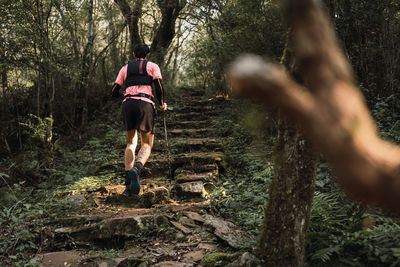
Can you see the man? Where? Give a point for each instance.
(138, 111)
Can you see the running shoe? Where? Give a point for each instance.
(135, 181)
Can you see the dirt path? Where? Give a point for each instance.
(170, 223)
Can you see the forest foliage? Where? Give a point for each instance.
(53, 65)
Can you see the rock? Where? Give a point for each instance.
(102, 263)
(133, 261)
(209, 187)
(63, 230)
(184, 178)
(199, 158)
(190, 115)
(179, 236)
(153, 183)
(187, 221)
(202, 106)
(194, 216)
(246, 260)
(177, 207)
(218, 259)
(115, 189)
(181, 227)
(228, 232)
(193, 169)
(170, 264)
(194, 256)
(161, 221)
(59, 259)
(79, 220)
(191, 124)
(191, 189)
(158, 195)
(157, 165)
(207, 246)
(75, 200)
(109, 228)
(196, 144)
(192, 132)
(130, 201)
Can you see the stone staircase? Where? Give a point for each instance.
(170, 223)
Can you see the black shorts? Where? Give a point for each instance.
(138, 115)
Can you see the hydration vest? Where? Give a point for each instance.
(137, 74)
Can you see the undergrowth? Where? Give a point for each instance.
(30, 208)
(242, 193)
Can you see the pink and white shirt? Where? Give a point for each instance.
(153, 70)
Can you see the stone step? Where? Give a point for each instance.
(158, 163)
(185, 164)
(194, 92)
(60, 259)
(82, 219)
(185, 145)
(187, 116)
(196, 101)
(204, 177)
(147, 198)
(229, 232)
(206, 168)
(189, 190)
(124, 226)
(195, 107)
(199, 158)
(188, 124)
(192, 133)
(106, 229)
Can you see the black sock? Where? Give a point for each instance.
(138, 165)
(127, 180)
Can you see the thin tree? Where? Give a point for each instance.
(81, 106)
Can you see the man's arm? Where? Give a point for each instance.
(119, 82)
(154, 71)
(160, 93)
(115, 91)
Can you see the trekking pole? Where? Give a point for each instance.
(166, 144)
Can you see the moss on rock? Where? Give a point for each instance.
(219, 259)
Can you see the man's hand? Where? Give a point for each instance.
(164, 107)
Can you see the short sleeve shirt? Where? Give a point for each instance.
(153, 70)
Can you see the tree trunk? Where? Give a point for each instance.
(166, 31)
(287, 214)
(68, 24)
(4, 85)
(132, 17)
(81, 109)
(115, 64)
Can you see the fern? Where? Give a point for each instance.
(325, 254)
(336, 237)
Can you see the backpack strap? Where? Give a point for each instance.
(137, 74)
